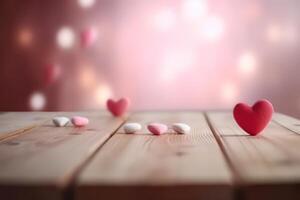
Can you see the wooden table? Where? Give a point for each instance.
(216, 161)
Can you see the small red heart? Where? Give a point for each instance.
(253, 119)
(117, 108)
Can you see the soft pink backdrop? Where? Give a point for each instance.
(176, 54)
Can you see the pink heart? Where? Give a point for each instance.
(157, 128)
(253, 119)
(88, 37)
(79, 121)
(117, 108)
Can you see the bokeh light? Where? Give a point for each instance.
(213, 29)
(65, 37)
(88, 36)
(86, 3)
(291, 34)
(52, 72)
(37, 101)
(247, 63)
(164, 20)
(274, 33)
(229, 92)
(194, 10)
(102, 93)
(25, 37)
(204, 54)
(176, 63)
(87, 77)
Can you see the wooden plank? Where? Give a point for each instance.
(171, 166)
(290, 123)
(13, 123)
(268, 165)
(41, 163)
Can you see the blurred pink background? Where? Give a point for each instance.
(173, 54)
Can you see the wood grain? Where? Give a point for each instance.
(13, 123)
(268, 165)
(290, 123)
(171, 166)
(42, 162)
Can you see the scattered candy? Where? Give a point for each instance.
(181, 128)
(253, 119)
(79, 121)
(117, 108)
(132, 127)
(88, 37)
(60, 121)
(157, 128)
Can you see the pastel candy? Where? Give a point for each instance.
(79, 121)
(60, 121)
(132, 127)
(181, 128)
(157, 128)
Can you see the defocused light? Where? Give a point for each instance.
(65, 37)
(25, 37)
(252, 10)
(164, 20)
(87, 77)
(291, 34)
(52, 73)
(86, 3)
(229, 92)
(88, 37)
(179, 60)
(247, 63)
(102, 93)
(37, 101)
(286, 34)
(213, 29)
(194, 9)
(174, 63)
(274, 33)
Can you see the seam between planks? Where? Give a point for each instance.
(68, 182)
(237, 192)
(19, 132)
(236, 177)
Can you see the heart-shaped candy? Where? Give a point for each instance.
(132, 127)
(157, 128)
(60, 121)
(117, 108)
(253, 119)
(79, 121)
(181, 128)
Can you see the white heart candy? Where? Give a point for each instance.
(181, 128)
(132, 127)
(60, 121)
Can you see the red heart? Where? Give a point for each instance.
(253, 119)
(117, 108)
